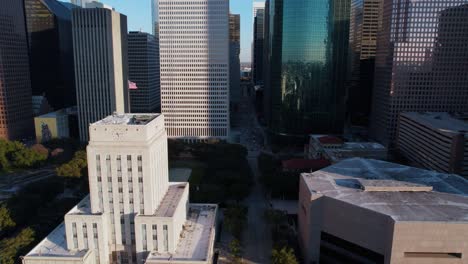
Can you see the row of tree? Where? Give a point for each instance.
(15, 155)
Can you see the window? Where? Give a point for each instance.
(155, 237)
(166, 238)
(143, 237)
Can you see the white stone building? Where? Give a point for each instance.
(133, 213)
(194, 66)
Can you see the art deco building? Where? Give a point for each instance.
(133, 213)
(101, 66)
(51, 51)
(234, 61)
(421, 62)
(194, 62)
(143, 70)
(16, 119)
(308, 57)
(258, 42)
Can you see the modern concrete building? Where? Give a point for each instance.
(49, 28)
(421, 63)
(335, 150)
(101, 66)
(143, 70)
(369, 211)
(258, 42)
(194, 59)
(234, 60)
(133, 213)
(365, 22)
(435, 141)
(16, 119)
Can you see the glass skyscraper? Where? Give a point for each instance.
(307, 52)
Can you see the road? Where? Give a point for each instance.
(10, 184)
(256, 237)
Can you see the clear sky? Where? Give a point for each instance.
(139, 18)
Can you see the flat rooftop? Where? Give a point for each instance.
(55, 245)
(82, 208)
(171, 200)
(127, 119)
(196, 238)
(439, 121)
(401, 192)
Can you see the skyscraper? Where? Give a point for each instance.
(421, 62)
(234, 61)
(194, 61)
(258, 42)
(16, 120)
(143, 70)
(365, 22)
(101, 67)
(308, 57)
(51, 51)
(81, 3)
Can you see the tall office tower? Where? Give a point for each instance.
(365, 23)
(101, 68)
(421, 62)
(266, 66)
(81, 3)
(194, 59)
(51, 51)
(16, 119)
(258, 39)
(143, 70)
(133, 214)
(234, 61)
(308, 58)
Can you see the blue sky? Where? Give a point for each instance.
(139, 18)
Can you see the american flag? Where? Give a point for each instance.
(132, 85)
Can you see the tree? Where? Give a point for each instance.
(236, 250)
(11, 247)
(75, 168)
(5, 219)
(283, 256)
(235, 218)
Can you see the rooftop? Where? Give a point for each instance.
(171, 200)
(82, 208)
(440, 121)
(55, 245)
(127, 119)
(301, 164)
(401, 192)
(196, 238)
(327, 139)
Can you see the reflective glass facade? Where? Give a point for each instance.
(308, 65)
(421, 62)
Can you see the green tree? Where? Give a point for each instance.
(5, 219)
(75, 168)
(236, 250)
(283, 256)
(11, 247)
(235, 218)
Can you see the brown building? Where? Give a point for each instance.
(370, 211)
(16, 119)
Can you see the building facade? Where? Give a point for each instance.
(16, 119)
(308, 57)
(48, 23)
(194, 62)
(143, 70)
(101, 66)
(258, 42)
(421, 63)
(435, 141)
(369, 211)
(133, 213)
(52, 125)
(234, 60)
(365, 23)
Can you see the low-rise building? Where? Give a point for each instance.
(53, 125)
(436, 141)
(371, 211)
(335, 149)
(133, 214)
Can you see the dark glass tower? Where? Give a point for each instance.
(308, 57)
(50, 42)
(258, 43)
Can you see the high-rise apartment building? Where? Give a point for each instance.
(16, 119)
(234, 61)
(365, 22)
(421, 62)
(194, 62)
(101, 67)
(308, 66)
(258, 42)
(48, 23)
(143, 70)
(133, 214)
